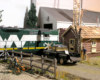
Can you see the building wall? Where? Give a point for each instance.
(61, 31)
(98, 45)
(44, 19)
(88, 46)
(62, 24)
(69, 35)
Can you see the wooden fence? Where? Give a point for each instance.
(53, 62)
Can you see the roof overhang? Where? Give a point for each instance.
(70, 27)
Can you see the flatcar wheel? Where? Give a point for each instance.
(61, 61)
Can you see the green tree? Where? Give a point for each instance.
(0, 15)
(32, 18)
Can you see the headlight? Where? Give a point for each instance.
(66, 52)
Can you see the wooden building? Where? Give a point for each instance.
(76, 38)
(61, 31)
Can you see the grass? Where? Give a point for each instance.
(4, 61)
(66, 76)
(94, 61)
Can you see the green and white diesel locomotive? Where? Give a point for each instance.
(29, 40)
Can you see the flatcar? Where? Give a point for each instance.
(28, 40)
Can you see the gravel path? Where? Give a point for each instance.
(81, 70)
(23, 76)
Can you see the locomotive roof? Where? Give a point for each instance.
(43, 31)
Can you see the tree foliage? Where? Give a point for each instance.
(0, 15)
(32, 18)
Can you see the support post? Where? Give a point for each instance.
(31, 59)
(21, 57)
(5, 54)
(42, 62)
(12, 55)
(5, 51)
(55, 66)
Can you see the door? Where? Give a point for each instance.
(72, 45)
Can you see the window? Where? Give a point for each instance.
(72, 45)
(48, 26)
(72, 42)
(93, 43)
(93, 46)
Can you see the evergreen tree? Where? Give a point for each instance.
(32, 18)
(0, 16)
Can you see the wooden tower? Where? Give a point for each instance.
(76, 12)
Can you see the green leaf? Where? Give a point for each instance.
(32, 18)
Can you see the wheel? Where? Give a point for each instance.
(61, 61)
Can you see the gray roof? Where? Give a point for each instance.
(67, 15)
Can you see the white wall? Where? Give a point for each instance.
(62, 24)
(14, 12)
(43, 19)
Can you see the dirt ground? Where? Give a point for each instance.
(23, 76)
(81, 70)
(78, 69)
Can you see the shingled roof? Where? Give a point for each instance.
(87, 31)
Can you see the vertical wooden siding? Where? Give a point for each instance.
(62, 30)
(67, 36)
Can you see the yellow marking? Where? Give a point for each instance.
(29, 48)
(15, 48)
(40, 47)
(2, 48)
(32, 48)
(9, 48)
(25, 48)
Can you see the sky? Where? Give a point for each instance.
(92, 5)
(14, 12)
